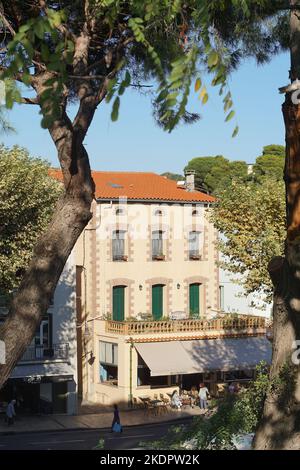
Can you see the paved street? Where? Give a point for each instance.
(85, 439)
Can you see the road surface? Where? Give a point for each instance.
(86, 439)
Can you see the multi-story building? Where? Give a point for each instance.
(147, 287)
(45, 379)
(233, 298)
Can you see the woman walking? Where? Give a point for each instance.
(116, 425)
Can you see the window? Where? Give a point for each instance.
(194, 244)
(42, 336)
(41, 345)
(195, 213)
(120, 211)
(109, 363)
(221, 298)
(157, 245)
(118, 246)
(158, 213)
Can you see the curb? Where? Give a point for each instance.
(14, 433)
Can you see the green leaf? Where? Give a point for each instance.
(162, 95)
(229, 116)
(228, 104)
(235, 132)
(115, 109)
(127, 79)
(213, 59)
(38, 28)
(24, 28)
(45, 52)
(26, 78)
(121, 88)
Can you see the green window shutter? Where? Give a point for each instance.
(157, 301)
(118, 303)
(195, 300)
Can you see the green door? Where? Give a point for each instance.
(157, 301)
(118, 303)
(195, 300)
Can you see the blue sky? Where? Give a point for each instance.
(136, 143)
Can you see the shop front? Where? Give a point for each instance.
(41, 389)
(186, 364)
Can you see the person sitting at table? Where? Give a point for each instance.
(175, 400)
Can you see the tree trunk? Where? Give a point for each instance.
(53, 248)
(280, 426)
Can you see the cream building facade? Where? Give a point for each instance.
(147, 287)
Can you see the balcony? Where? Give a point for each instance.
(41, 353)
(221, 327)
(158, 257)
(117, 257)
(194, 255)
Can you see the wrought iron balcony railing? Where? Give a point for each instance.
(44, 353)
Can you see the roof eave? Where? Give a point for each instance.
(151, 201)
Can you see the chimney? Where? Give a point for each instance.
(190, 180)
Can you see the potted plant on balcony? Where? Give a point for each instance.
(195, 256)
(159, 257)
(120, 257)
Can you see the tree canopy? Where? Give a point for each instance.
(27, 198)
(173, 176)
(251, 220)
(270, 163)
(103, 47)
(214, 173)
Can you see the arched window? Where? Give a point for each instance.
(195, 213)
(158, 213)
(120, 211)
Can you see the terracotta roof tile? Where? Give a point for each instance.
(140, 186)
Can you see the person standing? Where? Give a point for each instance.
(10, 412)
(116, 420)
(203, 396)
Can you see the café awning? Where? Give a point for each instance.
(165, 358)
(198, 356)
(51, 370)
